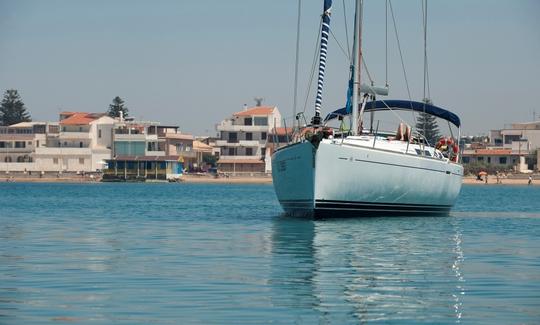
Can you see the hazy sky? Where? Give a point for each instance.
(193, 63)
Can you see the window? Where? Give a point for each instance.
(249, 136)
(508, 139)
(233, 137)
(81, 161)
(249, 151)
(55, 161)
(465, 160)
(480, 158)
(263, 135)
(37, 143)
(418, 152)
(231, 152)
(428, 154)
(248, 121)
(20, 144)
(99, 133)
(80, 128)
(489, 160)
(261, 120)
(80, 144)
(502, 160)
(29, 143)
(7, 159)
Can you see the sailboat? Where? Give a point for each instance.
(329, 172)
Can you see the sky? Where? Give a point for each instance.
(194, 63)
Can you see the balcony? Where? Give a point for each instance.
(16, 150)
(243, 128)
(62, 151)
(225, 157)
(155, 153)
(240, 143)
(252, 143)
(75, 135)
(135, 137)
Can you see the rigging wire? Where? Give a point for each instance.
(401, 56)
(341, 47)
(365, 67)
(386, 42)
(399, 48)
(425, 99)
(346, 29)
(426, 66)
(296, 63)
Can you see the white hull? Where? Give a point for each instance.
(353, 179)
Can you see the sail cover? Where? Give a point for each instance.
(325, 30)
(380, 105)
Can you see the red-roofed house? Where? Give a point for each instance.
(83, 143)
(242, 139)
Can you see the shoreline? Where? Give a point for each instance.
(192, 179)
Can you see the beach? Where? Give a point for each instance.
(209, 179)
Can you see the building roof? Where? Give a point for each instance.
(240, 161)
(79, 118)
(201, 147)
(26, 124)
(488, 152)
(281, 131)
(179, 136)
(257, 110)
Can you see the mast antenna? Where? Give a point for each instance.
(258, 101)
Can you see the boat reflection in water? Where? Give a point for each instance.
(351, 270)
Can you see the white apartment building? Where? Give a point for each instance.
(83, 143)
(78, 142)
(19, 141)
(242, 139)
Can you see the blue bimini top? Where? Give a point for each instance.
(380, 105)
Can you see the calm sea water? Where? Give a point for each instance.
(192, 253)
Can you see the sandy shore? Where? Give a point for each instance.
(470, 180)
(226, 180)
(492, 180)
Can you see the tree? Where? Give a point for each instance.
(426, 124)
(12, 109)
(116, 107)
(210, 159)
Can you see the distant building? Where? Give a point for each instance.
(83, 143)
(181, 145)
(78, 142)
(513, 147)
(277, 138)
(19, 141)
(242, 139)
(136, 138)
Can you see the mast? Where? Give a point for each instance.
(325, 31)
(357, 59)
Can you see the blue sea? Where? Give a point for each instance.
(225, 254)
